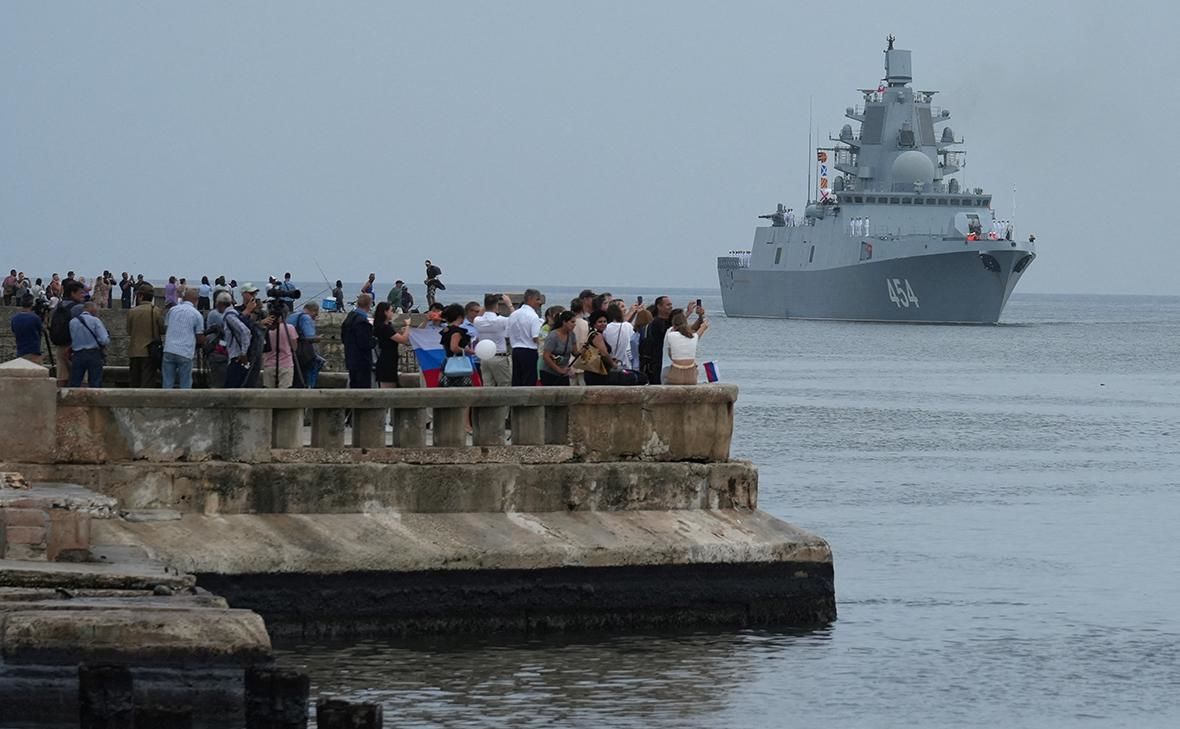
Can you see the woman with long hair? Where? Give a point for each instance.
(387, 340)
(595, 355)
(680, 343)
(557, 360)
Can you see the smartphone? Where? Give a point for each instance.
(638, 299)
(698, 302)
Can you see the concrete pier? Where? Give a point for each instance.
(595, 507)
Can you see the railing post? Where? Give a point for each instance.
(450, 427)
(409, 428)
(327, 428)
(368, 428)
(287, 428)
(488, 426)
(528, 425)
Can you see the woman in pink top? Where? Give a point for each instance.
(282, 338)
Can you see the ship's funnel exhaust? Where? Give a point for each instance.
(897, 68)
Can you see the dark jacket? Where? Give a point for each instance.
(356, 333)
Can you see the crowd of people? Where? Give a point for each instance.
(246, 337)
(597, 340)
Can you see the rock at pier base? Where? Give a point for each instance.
(276, 698)
(340, 714)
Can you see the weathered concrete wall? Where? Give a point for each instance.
(318, 488)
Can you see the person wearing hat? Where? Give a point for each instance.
(145, 325)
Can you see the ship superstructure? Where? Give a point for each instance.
(890, 235)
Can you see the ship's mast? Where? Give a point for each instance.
(810, 100)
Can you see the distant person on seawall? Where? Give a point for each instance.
(433, 283)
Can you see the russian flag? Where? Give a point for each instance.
(429, 351)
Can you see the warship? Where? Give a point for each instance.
(887, 233)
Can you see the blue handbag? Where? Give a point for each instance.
(458, 366)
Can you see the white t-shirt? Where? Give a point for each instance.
(524, 326)
(618, 337)
(491, 325)
(679, 346)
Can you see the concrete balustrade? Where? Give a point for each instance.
(599, 424)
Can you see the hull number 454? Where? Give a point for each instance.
(900, 293)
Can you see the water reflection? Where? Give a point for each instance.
(620, 681)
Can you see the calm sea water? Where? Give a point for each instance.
(1003, 506)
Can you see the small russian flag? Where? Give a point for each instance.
(711, 371)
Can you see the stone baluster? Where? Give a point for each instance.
(528, 425)
(327, 428)
(287, 428)
(488, 426)
(368, 427)
(450, 427)
(409, 428)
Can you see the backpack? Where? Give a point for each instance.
(59, 323)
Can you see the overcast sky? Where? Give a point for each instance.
(605, 143)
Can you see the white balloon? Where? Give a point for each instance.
(485, 349)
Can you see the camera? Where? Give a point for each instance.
(279, 300)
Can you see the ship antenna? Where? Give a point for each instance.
(810, 151)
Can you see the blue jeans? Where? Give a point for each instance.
(86, 362)
(311, 376)
(177, 368)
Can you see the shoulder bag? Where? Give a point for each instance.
(155, 348)
(590, 359)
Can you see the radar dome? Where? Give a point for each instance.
(912, 167)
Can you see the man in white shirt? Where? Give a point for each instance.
(524, 328)
(184, 331)
(491, 326)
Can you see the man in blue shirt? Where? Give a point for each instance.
(26, 328)
(306, 356)
(88, 337)
(184, 331)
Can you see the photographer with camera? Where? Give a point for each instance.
(243, 341)
(278, 358)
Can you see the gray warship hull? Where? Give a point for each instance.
(944, 288)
